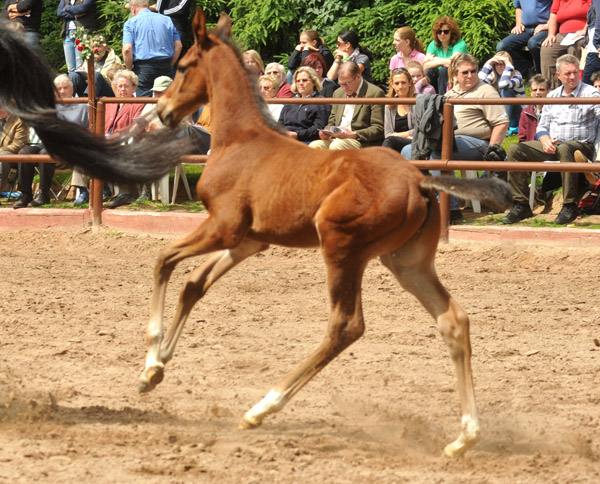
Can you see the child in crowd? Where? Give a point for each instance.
(500, 73)
(421, 81)
(595, 80)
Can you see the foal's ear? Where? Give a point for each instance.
(199, 27)
(224, 26)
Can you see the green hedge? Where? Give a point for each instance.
(272, 26)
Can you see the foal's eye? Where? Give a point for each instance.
(181, 69)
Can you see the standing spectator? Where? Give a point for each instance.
(399, 119)
(118, 118)
(75, 13)
(303, 121)
(349, 49)
(317, 62)
(566, 17)
(408, 48)
(278, 72)
(562, 130)
(29, 14)
(359, 125)
(446, 43)
(74, 113)
(254, 63)
(530, 30)
(500, 73)
(178, 11)
(151, 45)
(13, 136)
(310, 42)
(478, 125)
(420, 80)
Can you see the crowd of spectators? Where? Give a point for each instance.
(551, 43)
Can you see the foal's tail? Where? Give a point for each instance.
(495, 193)
(27, 91)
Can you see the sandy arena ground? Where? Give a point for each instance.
(74, 310)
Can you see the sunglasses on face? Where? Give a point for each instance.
(445, 32)
(472, 71)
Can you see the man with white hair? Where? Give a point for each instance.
(278, 72)
(151, 45)
(74, 113)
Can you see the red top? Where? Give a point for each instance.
(571, 15)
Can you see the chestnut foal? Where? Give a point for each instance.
(262, 188)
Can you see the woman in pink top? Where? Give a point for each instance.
(566, 17)
(409, 48)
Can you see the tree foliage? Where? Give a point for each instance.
(272, 27)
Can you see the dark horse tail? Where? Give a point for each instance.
(27, 91)
(495, 193)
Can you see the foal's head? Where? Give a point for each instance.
(190, 88)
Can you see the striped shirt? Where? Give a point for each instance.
(570, 122)
(510, 79)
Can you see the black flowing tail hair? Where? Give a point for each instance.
(27, 91)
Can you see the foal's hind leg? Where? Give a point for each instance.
(346, 325)
(453, 323)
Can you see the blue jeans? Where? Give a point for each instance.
(466, 148)
(147, 71)
(512, 110)
(514, 44)
(72, 55)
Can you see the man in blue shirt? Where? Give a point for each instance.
(530, 30)
(562, 130)
(151, 45)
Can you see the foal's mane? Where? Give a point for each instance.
(253, 81)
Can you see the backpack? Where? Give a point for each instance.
(590, 202)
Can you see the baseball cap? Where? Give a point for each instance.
(161, 83)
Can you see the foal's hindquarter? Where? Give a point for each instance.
(262, 188)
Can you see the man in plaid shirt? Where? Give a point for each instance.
(562, 130)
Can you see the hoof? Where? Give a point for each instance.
(150, 378)
(247, 425)
(459, 447)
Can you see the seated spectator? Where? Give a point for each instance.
(595, 80)
(14, 134)
(530, 30)
(592, 58)
(399, 119)
(268, 86)
(566, 17)
(408, 48)
(104, 58)
(254, 62)
(74, 113)
(303, 121)
(317, 62)
(500, 73)
(118, 117)
(277, 71)
(446, 43)
(357, 125)
(349, 49)
(310, 42)
(562, 130)
(478, 125)
(420, 80)
(530, 116)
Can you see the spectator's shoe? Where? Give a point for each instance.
(144, 196)
(456, 217)
(23, 201)
(519, 212)
(40, 199)
(106, 193)
(121, 199)
(567, 214)
(581, 158)
(513, 130)
(84, 197)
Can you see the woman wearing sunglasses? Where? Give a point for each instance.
(445, 44)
